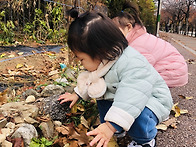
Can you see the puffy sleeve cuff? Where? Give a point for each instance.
(85, 97)
(119, 117)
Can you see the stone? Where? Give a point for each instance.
(56, 110)
(7, 131)
(47, 129)
(3, 122)
(30, 92)
(6, 144)
(52, 90)
(30, 99)
(2, 138)
(27, 132)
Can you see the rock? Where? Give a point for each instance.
(30, 99)
(6, 144)
(30, 120)
(3, 122)
(27, 132)
(56, 110)
(62, 80)
(2, 138)
(52, 90)
(19, 110)
(10, 125)
(47, 129)
(18, 120)
(7, 131)
(57, 123)
(30, 92)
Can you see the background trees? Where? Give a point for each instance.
(179, 16)
(42, 20)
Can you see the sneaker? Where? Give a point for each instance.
(148, 144)
(120, 134)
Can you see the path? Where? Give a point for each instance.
(185, 133)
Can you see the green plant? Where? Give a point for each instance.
(42, 142)
(7, 33)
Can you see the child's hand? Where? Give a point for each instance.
(103, 133)
(68, 97)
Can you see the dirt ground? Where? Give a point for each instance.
(18, 67)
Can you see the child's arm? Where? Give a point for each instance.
(103, 133)
(68, 97)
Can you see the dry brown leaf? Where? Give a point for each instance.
(170, 121)
(3, 96)
(182, 96)
(73, 143)
(65, 130)
(84, 122)
(161, 127)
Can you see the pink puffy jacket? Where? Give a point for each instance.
(164, 57)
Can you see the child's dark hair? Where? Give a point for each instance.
(132, 16)
(96, 35)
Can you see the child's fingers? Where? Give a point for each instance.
(93, 132)
(95, 140)
(63, 96)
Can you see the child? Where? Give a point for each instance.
(164, 57)
(130, 93)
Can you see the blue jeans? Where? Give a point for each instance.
(143, 129)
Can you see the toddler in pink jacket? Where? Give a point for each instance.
(164, 57)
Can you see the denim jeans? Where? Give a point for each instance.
(143, 129)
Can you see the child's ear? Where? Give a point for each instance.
(130, 27)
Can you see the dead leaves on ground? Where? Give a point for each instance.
(172, 122)
(73, 136)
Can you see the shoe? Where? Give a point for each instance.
(120, 134)
(148, 144)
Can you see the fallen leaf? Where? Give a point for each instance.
(112, 143)
(11, 56)
(181, 96)
(183, 111)
(20, 53)
(65, 130)
(19, 65)
(3, 55)
(188, 98)
(176, 109)
(161, 127)
(84, 121)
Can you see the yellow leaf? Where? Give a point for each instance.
(2, 55)
(11, 56)
(161, 127)
(20, 53)
(74, 108)
(80, 107)
(176, 109)
(112, 143)
(188, 98)
(183, 111)
(19, 65)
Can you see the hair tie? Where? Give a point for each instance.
(122, 11)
